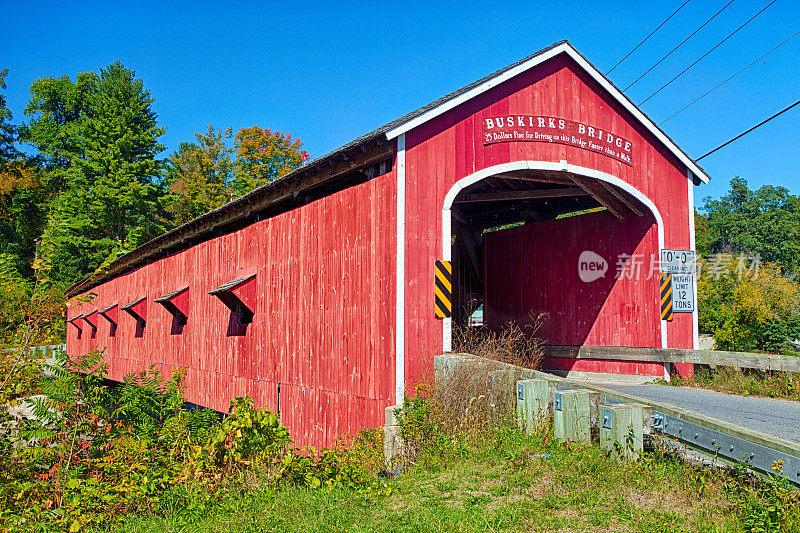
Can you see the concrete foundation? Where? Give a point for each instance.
(571, 416)
(533, 403)
(621, 430)
(392, 443)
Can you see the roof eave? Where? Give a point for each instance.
(567, 48)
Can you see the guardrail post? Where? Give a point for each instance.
(621, 430)
(392, 443)
(533, 399)
(571, 416)
(502, 388)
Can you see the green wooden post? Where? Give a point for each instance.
(533, 398)
(571, 416)
(621, 430)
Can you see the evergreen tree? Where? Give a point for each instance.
(99, 140)
(7, 149)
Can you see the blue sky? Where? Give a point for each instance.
(329, 72)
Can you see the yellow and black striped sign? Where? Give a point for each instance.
(666, 295)
(444, 289)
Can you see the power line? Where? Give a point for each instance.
(645, 39)
(681, 73)
(776, 115)
(679, 45)
(727, 80)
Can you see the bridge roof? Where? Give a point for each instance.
(240, 207)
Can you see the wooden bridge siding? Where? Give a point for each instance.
(531, 269)
(450, 147)
(323, 324)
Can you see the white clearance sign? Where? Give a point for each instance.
(681, 264)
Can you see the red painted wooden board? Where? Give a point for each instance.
(534, 269)
(324, 318)
(324, 324)
(450, 147)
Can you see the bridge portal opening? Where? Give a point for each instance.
(574, 252)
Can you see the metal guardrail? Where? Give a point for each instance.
(757, 361)
(757, 450)
(48, 350)
(729, 447)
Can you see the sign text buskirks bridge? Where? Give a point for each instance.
(531, 128)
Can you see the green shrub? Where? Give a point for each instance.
(244, 438)
(766, 506)
(95, 453)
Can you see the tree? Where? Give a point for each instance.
(31, 313)
(202, 175)
(756, 312)
(22, 194)
(198, 175)
(759, 310)
(765, 222)
(99, 140)
(8, 151)
(23, 199)
(263, 156)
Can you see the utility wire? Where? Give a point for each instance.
(776, 115)
(645, 39)
(726, 81)
(681, 73)
(679, 45)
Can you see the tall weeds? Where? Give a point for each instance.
(94, 453)
(470, 400)
(514, 344)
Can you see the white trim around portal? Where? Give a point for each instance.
(693, 247)
(532, 62)
(447, 323)
(400, 276)
(561, 166)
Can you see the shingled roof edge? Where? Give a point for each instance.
(139, 255)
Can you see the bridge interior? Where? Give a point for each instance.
(520, 198)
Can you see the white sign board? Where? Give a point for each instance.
(682, 293)
(678, 261)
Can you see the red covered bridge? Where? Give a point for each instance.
(318, 291)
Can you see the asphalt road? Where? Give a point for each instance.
(780, 418)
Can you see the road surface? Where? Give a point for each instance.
(780, 418)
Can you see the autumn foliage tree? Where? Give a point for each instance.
(198, 175)
(263, 156)
(757, 309)
(22, 194)
(206, 174)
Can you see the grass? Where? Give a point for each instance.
(498, 483)
(467, 467)
(747, 382)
